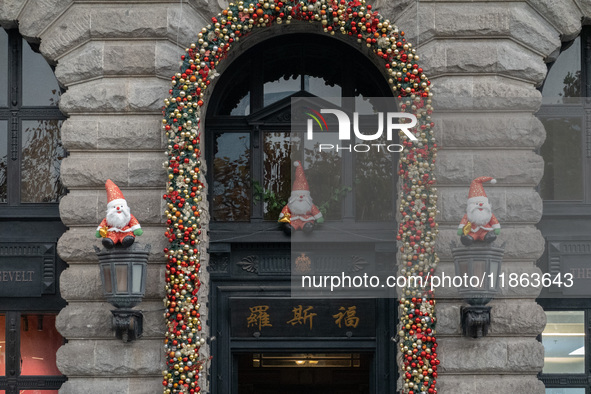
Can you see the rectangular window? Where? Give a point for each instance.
(563, 159)
(39, 85)
(42, 153)
(39, 344)
(231, 174)
(374, 184)
(564, 342)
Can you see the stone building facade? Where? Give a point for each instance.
(115, 59)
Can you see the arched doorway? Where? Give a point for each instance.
(250, 146)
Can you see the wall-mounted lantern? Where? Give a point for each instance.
(123, 274)
(478, 263)
(481, 265)
(122, 263)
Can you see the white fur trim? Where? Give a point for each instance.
(117, 201)
(493, 181)
(478, 199)
(296, 163)
(496, 225)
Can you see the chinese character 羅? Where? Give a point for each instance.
(259, 316)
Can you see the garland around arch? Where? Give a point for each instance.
(417, 195)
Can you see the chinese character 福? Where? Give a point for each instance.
(349, 316)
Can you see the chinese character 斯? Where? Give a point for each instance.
(301, 316)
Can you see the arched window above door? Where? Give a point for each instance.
(251, 147)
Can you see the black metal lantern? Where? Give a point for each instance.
(123, 275)
(479, 266)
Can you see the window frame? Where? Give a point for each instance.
(13, 383)
(14, 114)
(571, 380)
(559, 215)
(570, 208)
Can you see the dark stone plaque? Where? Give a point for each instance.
(288, 317)
(26, 270)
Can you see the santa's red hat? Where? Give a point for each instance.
(300, 183)
(477, 192)
(114, 195)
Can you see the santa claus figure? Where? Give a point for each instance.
(300, 213)
(479, 223)
(120, 226)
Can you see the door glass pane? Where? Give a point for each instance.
(42, 153)
(281, 88)
(564, 78)
(3, 160)
(321, 87)
(3, 68)
(374, 182)
(324, 174)
(327, 373)
(363, 105)
(564, 342)
(231, 177)
(40, 88)
(278, 149)
(578, 390)
(563, 174)
(2, 345)
(39, 344)
(243, 106)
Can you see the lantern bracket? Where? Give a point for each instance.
(128, 324)
(475, 321)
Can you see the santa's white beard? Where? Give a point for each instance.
(118, 220)
(299, 206)
(479, 217)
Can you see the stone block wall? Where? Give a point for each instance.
(486, 60)
(115, 59)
